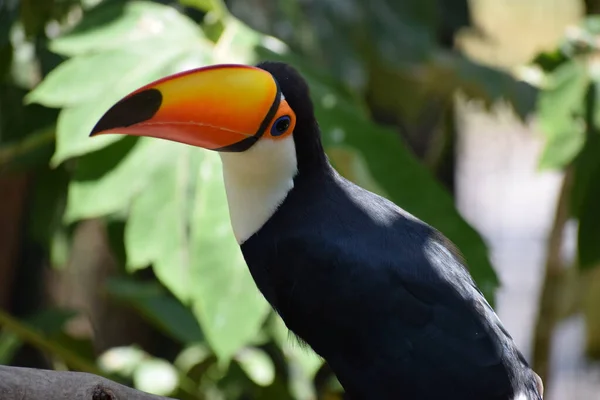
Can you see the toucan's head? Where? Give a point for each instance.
(252, 115)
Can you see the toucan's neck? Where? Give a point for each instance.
(309, 149)
(259, 179)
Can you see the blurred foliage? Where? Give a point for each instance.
(63, 63)
(569, 116)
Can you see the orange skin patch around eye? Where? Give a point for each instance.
(284, 109)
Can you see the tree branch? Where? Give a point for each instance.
(553, 284)
(36, 384)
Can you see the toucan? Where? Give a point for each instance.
(380, 295)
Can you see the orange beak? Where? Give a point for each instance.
(222, 107)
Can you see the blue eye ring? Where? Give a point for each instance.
(281, 125)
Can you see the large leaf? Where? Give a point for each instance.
(82, 78)
(96, 191)
(178, 220)
(75, 123)
(189, 241)
(227, 302)
(111, 60)
(561, 114)
(114, 24)
(236, 44)
(162, 239)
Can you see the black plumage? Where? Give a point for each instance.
(379, 294)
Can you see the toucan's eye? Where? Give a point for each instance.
(280, 126)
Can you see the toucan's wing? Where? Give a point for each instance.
(414, 324)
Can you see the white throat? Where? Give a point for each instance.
(257, 181)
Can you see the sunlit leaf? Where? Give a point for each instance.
(561, 114)
(236, 44)
(205, 270)
(126, 175)
(73, 129)
(162, 240)
(226, 300)
(75, 123)
(114, 25)
(156, 376)
(83, 78)
(111, 60)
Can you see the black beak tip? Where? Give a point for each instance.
(130, 111)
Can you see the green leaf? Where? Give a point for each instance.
(75, 123)
(236, 44)
(226, 300)
(561, 114)
(73, 129)
(158, 307)
(84, 78)
(9, 345)
(114, 25)
(113, 57)
(128, 172)
(449, 72)
(257, 365)
(157, 377)
(206, 269)
(162, 240)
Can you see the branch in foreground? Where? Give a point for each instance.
(36, 384)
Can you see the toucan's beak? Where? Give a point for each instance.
(222, 107)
